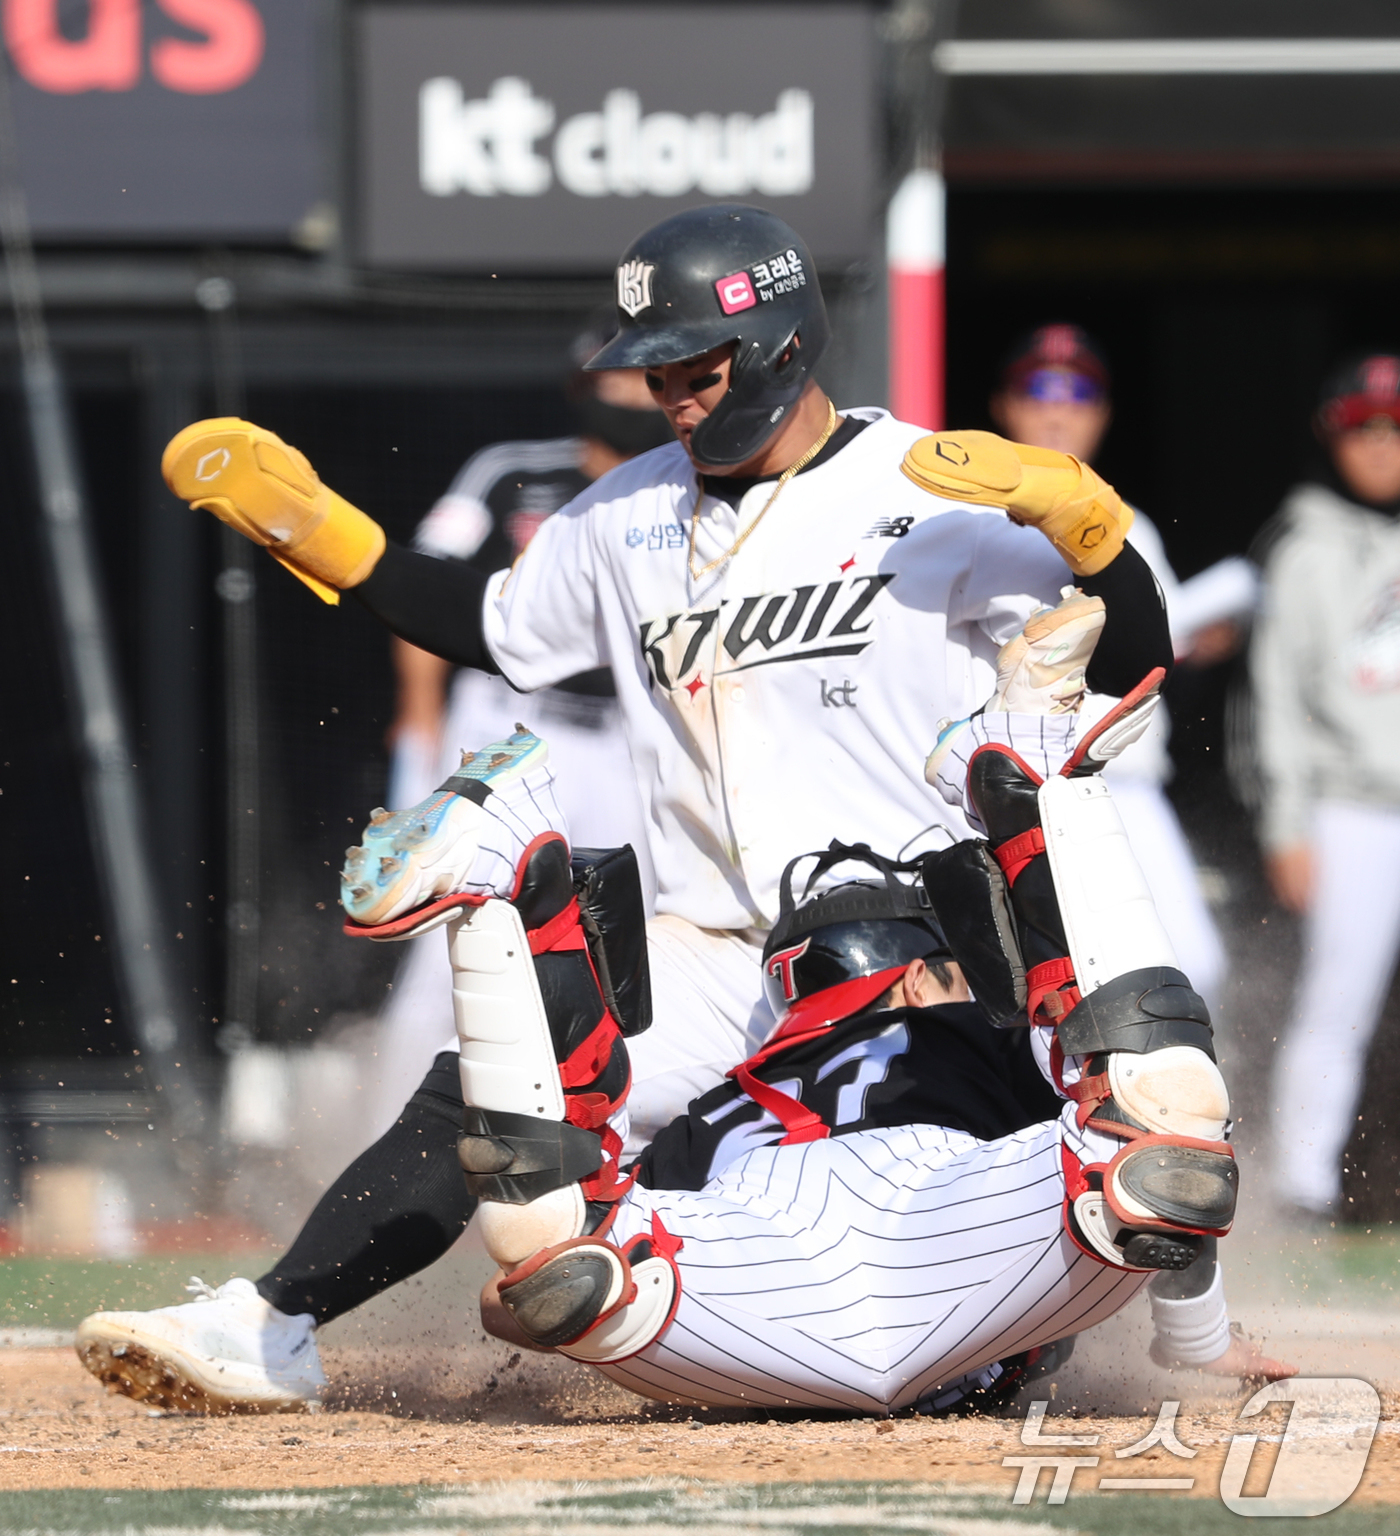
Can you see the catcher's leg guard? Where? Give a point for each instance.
(543, 1063)
(1099, 967)
(596, 1302)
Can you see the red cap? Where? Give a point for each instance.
(1360, 390)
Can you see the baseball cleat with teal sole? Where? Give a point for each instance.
(409, 858)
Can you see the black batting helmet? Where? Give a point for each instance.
(714, 275)
(836, 953)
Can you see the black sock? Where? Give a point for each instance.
(399, 1206)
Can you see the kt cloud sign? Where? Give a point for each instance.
(538, 138)
(164, 119)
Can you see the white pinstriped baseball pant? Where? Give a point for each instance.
(862, 1271)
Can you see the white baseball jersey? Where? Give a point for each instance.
(866, 1270)
(791, 694)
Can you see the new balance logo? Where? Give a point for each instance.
(889, 528)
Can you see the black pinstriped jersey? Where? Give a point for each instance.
(942, 1066)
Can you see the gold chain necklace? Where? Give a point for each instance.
(783, 479)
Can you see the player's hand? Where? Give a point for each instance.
(253, 481)
(1079, 512)
(1290, 873)
(1244, 1359)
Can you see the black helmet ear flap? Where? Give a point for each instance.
(789, 356)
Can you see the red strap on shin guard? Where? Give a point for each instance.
(562, 931)
(587, 1061)
(607, 1184)
(1044, 982)
(1076, 1175)
(1017, 852)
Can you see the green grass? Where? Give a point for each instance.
(595, 1509)
(1355, 1268)
(58, 1293)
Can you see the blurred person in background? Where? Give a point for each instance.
(1055, 392)
(487, 517)
(1325, 670)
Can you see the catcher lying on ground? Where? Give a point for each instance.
(872, 1269)
(894, 1204)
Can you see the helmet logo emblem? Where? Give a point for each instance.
(780, 965)
(634, 286)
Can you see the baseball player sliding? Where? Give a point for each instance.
(785, 611)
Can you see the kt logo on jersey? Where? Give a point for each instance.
(744, 632)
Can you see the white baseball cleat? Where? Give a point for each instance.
(228, 1351)
(409, 858)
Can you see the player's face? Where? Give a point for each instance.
(1059, 418)
(625, 387)
(1368, 460)
(687, 392)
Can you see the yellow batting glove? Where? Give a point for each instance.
(1078, 511)
(253, 481)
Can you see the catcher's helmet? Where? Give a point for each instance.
(714, 275)
(836, 953)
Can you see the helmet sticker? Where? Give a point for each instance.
(766, 280)
(634, 286)
(780, 966)
(735, 293)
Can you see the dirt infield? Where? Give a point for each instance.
(413, 1405)
(544, 1419)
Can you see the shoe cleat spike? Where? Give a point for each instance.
(414, 855)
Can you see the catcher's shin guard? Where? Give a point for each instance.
(1079, 946)
(543, 1063)
(594, 1301)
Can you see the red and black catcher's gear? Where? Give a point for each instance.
(998, 899)
(586, 928)
(836, 954)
